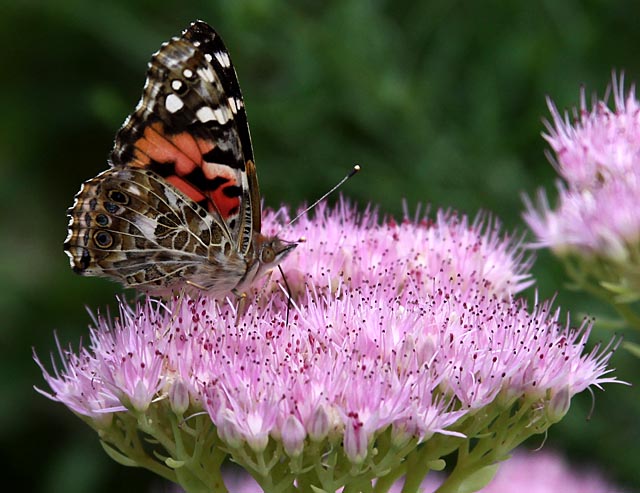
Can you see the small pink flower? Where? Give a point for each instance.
(75, 386)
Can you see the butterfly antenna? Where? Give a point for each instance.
(355, 169)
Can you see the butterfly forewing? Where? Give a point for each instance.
(190, 127)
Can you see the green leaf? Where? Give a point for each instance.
(174, 464)
(119, 457)
(317, 490)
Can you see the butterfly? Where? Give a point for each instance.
(179, 206)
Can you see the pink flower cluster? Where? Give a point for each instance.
(404, 328)
(598, 157)
(353, 247)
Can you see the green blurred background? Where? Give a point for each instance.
(440, 101)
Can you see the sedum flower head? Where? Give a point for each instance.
(404, 342)
(596, 221)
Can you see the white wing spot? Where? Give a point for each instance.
(222, 114)
(206, 74)
(134, 190)
(176, 85)
(147, 227)
(223, 59)
(205, 114)
(188, 73)
(235, 104)
(196, 43)
(173, 103)
(208, 57)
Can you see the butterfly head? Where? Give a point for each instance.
(269, 252)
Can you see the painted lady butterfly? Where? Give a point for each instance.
(179, 207)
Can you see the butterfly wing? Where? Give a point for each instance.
(130, 225)
(180, 202)
(190, 127)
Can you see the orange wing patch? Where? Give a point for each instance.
(217, 183)
(227, 206)
(181, 149)
(186, 188)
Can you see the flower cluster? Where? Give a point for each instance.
(401, 343)
(595, 226)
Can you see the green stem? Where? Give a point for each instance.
(145, 424)
(195, 476)
(503, 434)
(127, 442)
(418, 462)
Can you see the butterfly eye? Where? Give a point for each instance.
(103, 239)
(267, 255)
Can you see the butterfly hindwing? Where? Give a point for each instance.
(131, 226)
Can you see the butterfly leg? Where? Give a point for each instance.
(242, 298)
(241, 307)
(195, 285)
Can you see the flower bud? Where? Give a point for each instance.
(228, 433)
(318, 427)
(355, 442)
(140, 399)
(179, 397)
(293, 435)
(559, 404)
